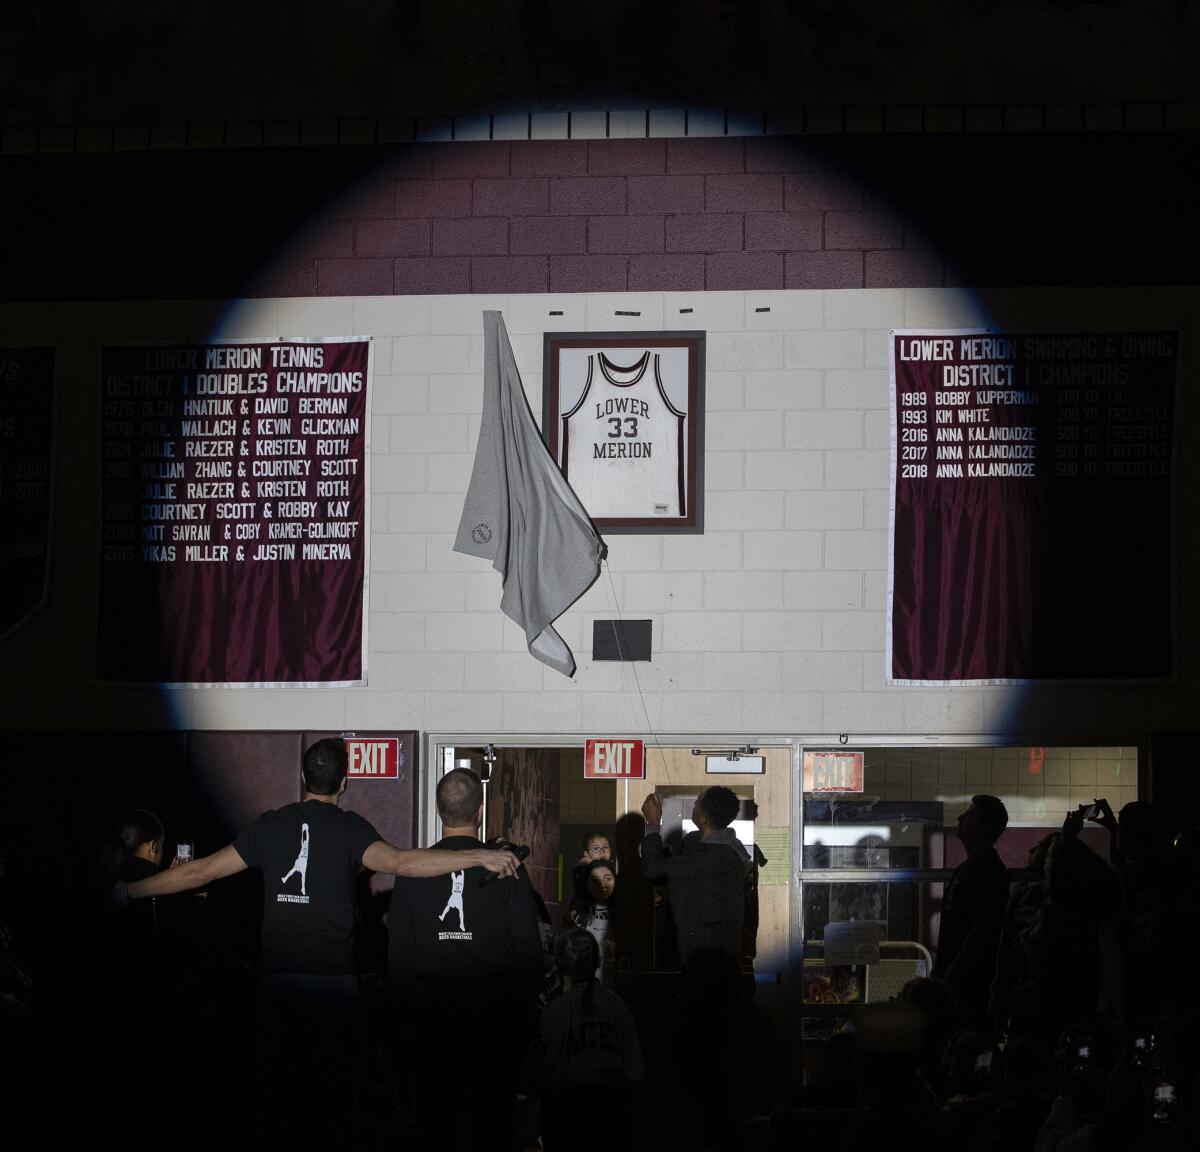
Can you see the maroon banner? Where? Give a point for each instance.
(235, 513)
(26, 450)
(1031, 506)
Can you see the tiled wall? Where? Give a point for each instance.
(770, 622)
(1036, 785)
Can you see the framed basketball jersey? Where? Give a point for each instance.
(623, 416)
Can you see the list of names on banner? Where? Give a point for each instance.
(1032, 496)
(234, 456)
(1072, 407)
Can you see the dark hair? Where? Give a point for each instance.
(720, 805)
(325, 765)
(1081, 884)
(137, 828)
(582, 873)
(459, 794)
(576, 954)
(596, 834)
(1141, 828)
(994, 814)
(595, 866)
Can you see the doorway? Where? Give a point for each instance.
(536, 795)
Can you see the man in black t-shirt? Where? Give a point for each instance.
(463, 951)
(310, 855)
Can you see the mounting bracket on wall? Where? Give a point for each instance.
(728, 753)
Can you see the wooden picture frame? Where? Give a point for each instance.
(623, 417)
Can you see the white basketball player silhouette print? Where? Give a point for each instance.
(456, 899)
(301, 864)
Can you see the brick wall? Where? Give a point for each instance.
(886, 210)
(722, 214)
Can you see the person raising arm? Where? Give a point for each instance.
(380, 856)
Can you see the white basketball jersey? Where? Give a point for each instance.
(622, 446)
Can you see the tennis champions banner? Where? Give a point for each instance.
(1031, 506)
(26, 474)
(235, 512)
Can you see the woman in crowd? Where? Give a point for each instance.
(160, 950)
(589, 907)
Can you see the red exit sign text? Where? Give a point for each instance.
(833, 771)
(614, 760)
(374, 759)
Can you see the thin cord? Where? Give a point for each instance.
(633, 667)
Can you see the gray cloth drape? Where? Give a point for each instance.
(521, 514)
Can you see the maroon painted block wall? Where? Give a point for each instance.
(607, 216)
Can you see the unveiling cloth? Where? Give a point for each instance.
(521, 514)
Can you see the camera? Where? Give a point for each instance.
(520, 851)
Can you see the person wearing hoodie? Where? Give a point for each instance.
(706, 903)
(706, 882)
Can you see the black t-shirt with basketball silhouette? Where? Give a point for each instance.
(309, 854)
(467, 926)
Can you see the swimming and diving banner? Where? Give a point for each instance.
(1030, 506)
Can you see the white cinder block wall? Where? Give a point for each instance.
(771, 622)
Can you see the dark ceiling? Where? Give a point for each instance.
(160, 61)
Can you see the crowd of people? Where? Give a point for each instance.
(1057, 1017)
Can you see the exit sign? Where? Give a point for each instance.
(833, 771)
(614, 760)
(374, 759)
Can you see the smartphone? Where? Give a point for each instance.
(1163, 1104)
(983, 1063)
(1143, 1049)
(1093, 812)
(185, 850)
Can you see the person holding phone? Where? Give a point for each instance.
(310, 854)
(153, 960)
(1152, 928)
(312, 844)
(166, 949)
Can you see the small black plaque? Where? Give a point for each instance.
(621, 639)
